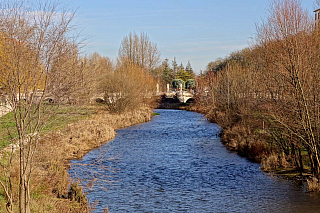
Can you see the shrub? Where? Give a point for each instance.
(313, 184)
(191, 84)
(176, 82)
(127, 88)
(76, 194)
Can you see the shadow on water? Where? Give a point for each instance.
(177, 163)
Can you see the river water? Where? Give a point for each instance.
(176, 163)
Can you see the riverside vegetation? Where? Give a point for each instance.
(86, 129)
(266, 97)
(51, 90)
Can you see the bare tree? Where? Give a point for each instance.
(99, 68)
(289, 58)
(127, 87)
(140, 50)
(32, 38)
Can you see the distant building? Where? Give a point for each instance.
(317, 16)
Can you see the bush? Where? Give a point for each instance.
(313, 184)
(76, 194)
(191, 84)
(127, 88)
(176, 82)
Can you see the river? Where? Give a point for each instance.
(177, 163)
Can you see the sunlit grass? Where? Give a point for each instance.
(58, 117)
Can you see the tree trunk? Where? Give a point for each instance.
(301, 162)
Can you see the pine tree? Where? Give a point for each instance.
(174, 65)
(182, 73)
(168, 74)
(189, 70)
(181, 67)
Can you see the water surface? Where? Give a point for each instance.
(176, 163)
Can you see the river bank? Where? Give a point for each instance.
(169, 166)
(244, 135)
(50, 183)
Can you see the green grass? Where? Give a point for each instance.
(7, 129)
(155, 113)
(54, 118)
(67, 114)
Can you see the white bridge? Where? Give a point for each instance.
(182, 96)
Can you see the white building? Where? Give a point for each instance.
(317, 16)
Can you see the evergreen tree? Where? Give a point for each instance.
(191, 84)
(176, 82)
(189, 70)
(168, 74)
(174, 65)
(182, 74)
(181, 67)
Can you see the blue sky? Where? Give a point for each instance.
(196, 30)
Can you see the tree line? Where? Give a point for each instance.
(42, 68)
(267, 96)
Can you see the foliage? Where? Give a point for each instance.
(270, 92)
(127, 87)
(189, 70)
(165, 74)
(183, 75)
(176, 83)
(168, 74)
(191, 84)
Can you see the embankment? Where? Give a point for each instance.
(240, 134)
(50, 181)
(244, 134)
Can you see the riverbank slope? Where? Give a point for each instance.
(244, 134)
(50, 182)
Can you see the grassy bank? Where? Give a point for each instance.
(72, 138)
(245, 134)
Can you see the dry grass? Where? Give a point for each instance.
(49, 185)
(275, 161)
(313, 184)
(239, 133)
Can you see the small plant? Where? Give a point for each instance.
(76, 194)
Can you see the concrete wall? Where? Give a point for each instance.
(4, 106)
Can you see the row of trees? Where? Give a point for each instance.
(166, 73)
(272, 88)
(181, 72)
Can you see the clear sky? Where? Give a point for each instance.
(196, 30)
